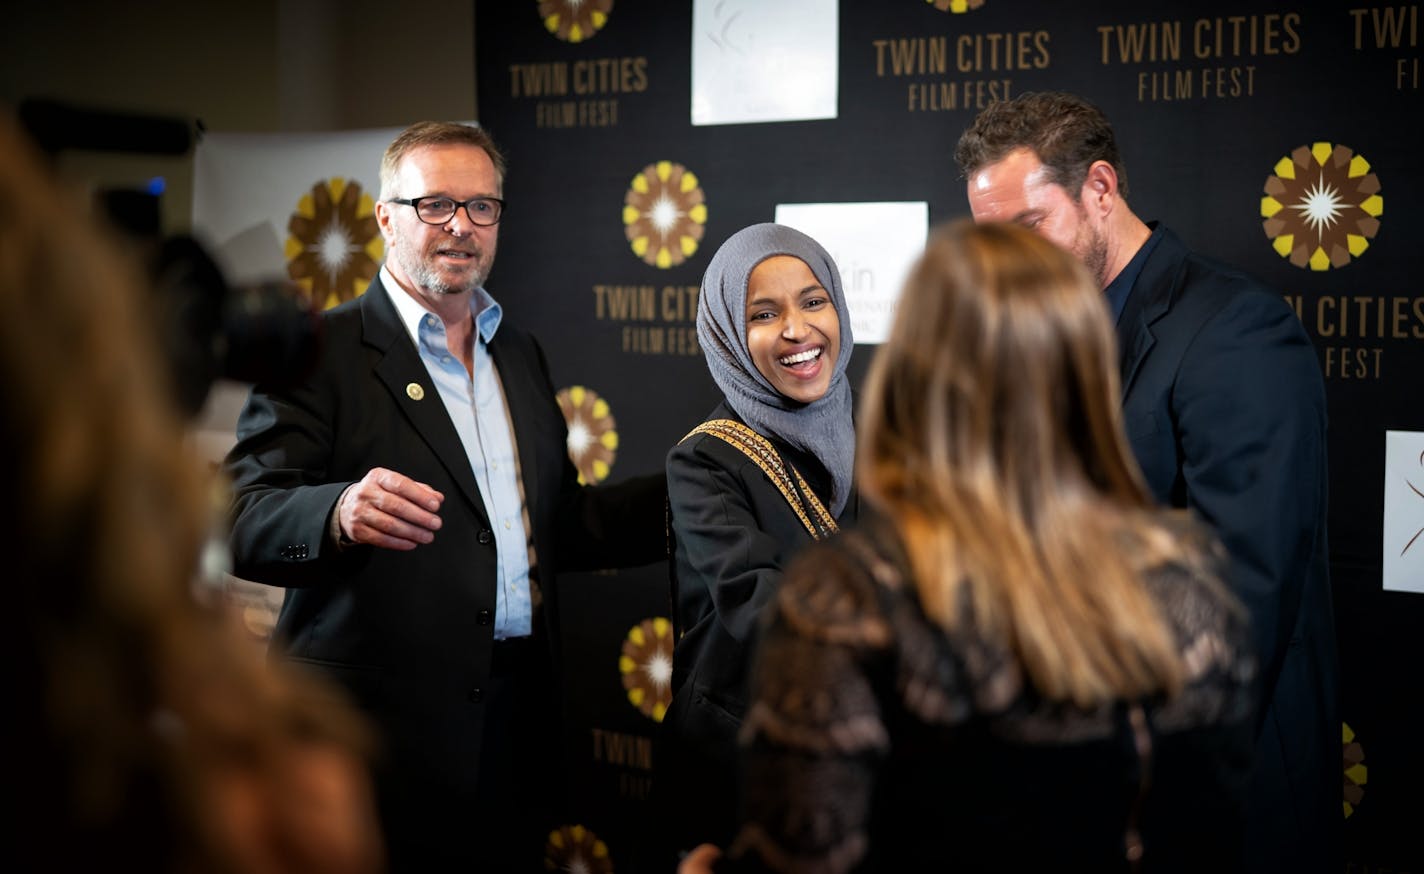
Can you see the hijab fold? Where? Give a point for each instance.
(823, 428)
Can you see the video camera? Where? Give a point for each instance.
(265, 332)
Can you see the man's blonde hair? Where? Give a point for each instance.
(435, 133)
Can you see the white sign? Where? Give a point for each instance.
(755, 61)
(247, 186)
(1404, 511)
(874, 245)
(250, 193)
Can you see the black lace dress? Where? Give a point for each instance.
(875, 741)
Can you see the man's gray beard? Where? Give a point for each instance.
(427, 278)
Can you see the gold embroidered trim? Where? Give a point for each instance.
(759, 449)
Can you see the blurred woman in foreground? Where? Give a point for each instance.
(146, 733)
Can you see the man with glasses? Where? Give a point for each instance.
(415, 496)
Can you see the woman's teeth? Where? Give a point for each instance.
(799, 357)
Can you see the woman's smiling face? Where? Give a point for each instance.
(793, 329)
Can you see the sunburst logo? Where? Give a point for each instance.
(574, 20)
(1356, 774)
(664, 214)
(1322, 206)
(335, 247)
(593, 435)
(646, 666)
(577, 850)
(955, 6)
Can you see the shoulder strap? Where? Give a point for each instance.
(817, 519)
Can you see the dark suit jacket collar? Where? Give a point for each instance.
(1151, 297)
(380, 323)
(524, 384)
(404, 375)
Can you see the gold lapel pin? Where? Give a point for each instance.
(415, 391)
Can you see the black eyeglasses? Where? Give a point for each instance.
(436, 210)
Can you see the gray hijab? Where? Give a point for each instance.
(824, 427)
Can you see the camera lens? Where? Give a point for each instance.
(263, 333)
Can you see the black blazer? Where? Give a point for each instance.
(733, 534)
(1224, 405)
(409, 634)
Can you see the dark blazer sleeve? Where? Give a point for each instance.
(611, 525)
(282, 501)
(1250, 409)
(724, 546)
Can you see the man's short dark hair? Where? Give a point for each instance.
(1066, 132)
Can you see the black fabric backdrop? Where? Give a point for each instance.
(1207, 97)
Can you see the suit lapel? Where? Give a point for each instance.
(1135, 339)
(405, 377)
(518, 394)
(1150, 299)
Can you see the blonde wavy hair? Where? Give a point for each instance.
(991, 435)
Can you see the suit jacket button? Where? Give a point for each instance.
(486, 537)
(485, 617)
(476, 695)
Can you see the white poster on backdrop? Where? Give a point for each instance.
(291, 205)
(754, 61)
(1403, 563)
(298, 207)
(874, 245)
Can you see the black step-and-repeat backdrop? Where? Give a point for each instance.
(1283, 139)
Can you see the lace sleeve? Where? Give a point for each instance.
(814, 731)
(1214, 639)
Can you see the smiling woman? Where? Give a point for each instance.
(793, 331)
(765, 475)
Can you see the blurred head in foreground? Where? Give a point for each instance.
(145, 728)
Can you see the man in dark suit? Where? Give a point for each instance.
(416, 498)
(1225, 408)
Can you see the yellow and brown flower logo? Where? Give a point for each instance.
(593, 435)
(1322, 206)
(664, 214)
(955, 6)
(1356, 774)
(646, 666)
(335, 247)
(575, 848)
(574, 20)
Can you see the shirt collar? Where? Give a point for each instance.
(485, 309)
(1121, 287)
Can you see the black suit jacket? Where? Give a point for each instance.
(1225, 408)
(410, 634)
(733, 535)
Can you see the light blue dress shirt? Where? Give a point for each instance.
(481, 418)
